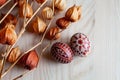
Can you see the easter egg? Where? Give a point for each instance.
(80, 44)
(61, 52)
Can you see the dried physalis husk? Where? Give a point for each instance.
(47, 13)
(29, 60)
(62, 23)
(20, 2)
(14, 54)
(53, 33)
(60, 4)
(74, 13)
(40, 1)
(8, 35)
(39, 25)
(9, 19)
(2, 2)
(28, 12)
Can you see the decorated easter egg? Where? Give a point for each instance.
(80, 44)
(61, 52)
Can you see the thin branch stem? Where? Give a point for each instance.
(3, 61)
(38, 44)
(8, 12)
(53, 6)
(21, 75)
(23, 29)
(36, 12)
(10, 47)
(20, 34)
(7, 70)
(27, 51)
(5, 4)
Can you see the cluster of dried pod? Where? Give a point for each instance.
(8, 25)
(28, 61)
(25, 9)
(72, 15)
(7, 31)
(9, 36)
(39, 26)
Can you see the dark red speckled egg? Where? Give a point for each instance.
(61, 52)
(80, 44)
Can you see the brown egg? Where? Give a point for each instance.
(80, 44)
(2, 2)
(61, 52)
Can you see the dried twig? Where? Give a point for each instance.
(53, 6)
(30, 48)
(8, 12)
(21, 75)
(3, 61)
(23, 29)
(7, 70)
(5, 4)
(10, 47)
(20, 34)
(38, 44)
(44, 49)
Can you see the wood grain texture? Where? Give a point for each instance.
(101, 22)
(107, 40)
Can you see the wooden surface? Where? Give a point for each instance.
(101, 22)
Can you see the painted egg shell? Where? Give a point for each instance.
(80, 44)
(61, 52)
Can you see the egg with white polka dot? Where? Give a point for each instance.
(80, 44)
